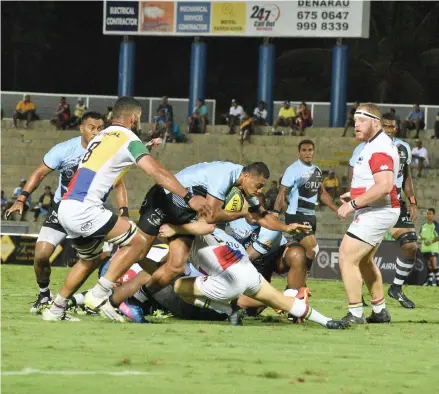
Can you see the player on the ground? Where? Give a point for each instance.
(213, 181)
(301, 185)
(228, 274)
(374, 199)
(82, 213)
(404, 231)
(64, 158)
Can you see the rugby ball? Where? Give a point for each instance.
(234, 200)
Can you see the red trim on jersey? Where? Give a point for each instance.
(226, 256)
(71, 185)
(202, 271)
(357, 191)
(380, 161)
(394, 200)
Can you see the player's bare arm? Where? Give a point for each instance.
(272, 222)
(32, 184)
(121, 196)
(327, 199)
(200, 227)
(409, 191)
(281, 198)
(219, 215)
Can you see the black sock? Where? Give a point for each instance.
(44, 286)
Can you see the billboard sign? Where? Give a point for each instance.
(295, 18)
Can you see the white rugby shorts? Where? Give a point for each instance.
(370, 224)
(82, 220)
(240, 278)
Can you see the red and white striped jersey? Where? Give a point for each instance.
(379, 154)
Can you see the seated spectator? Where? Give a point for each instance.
(4, 202)
(420, 157)
(304, 118)
(108, 115)
(414, 120)
(199, 118)
(350, 118)
(260, 114)
(160, 125)
(398, 121)
(61, 118)
(235, 116)
(25, 110)
(331, 184)
(44, 203)
(436, 128)
(286, 118)
(271, 195)
(80, 110)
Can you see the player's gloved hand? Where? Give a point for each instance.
(167, 231)
(297, 228)
(344, 198)
(413, 212)
(17, 207)
(199, 204)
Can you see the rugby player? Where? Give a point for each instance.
(301, 185)
(374, 199)
(64, 158)
(82, 213)
(404, 230)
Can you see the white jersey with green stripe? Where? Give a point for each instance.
(108, 157)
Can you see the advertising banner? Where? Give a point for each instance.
(326, 265)
(295, 18)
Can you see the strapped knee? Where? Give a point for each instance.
(125, 238)
(407, 238)
(90, 251)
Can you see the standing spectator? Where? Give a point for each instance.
(236, 115)
(107, 117)
(414, 120)
(4, 202)
(304, 118)
(420, 157)
(198, 120)
(271, 195)
(80, 110)
(430, 246)
(398, 121)
(350, 118)
(44, 203)
(436, 128)
(287, 118)
(25, 110)
(331, 184)
(61, 117)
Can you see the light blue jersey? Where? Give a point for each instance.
(263, 240)
(65, 158)
(304, 183)
(405, 159)
(215, 178)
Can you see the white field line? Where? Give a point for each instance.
(31, 371)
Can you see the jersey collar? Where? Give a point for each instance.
(375, 136)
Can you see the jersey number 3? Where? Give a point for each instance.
(90, 150)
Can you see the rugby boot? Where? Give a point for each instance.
(396, 293)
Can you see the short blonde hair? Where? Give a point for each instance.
(371, 108)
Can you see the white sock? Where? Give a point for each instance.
(103, 288)
(79, 298)
(290, 292)
(318, 317)
(356, 310)
(301, 309)
(378, 308)
(44, 289)
(59, 305)
(203, 302)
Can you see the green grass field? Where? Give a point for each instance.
(267, 355)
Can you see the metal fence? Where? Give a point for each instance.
(46, 104)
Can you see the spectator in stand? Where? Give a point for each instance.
(25, 110)
(304, 118)
(107, 117)
(286, 118)
(414, 120)
(436, 128)
(430, 246)
(331, 184)
(271, 195)
(260, 114)
(199, 118)
(4, 202)
(160, 125)
(61, 117)
(80, 110)
(166, 108)
(420, 157)
(235, 116)
(44, 203)
(398, 121)
(350, 118)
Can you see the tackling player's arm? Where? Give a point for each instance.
(121, 197)
(272, 222)
(410, 192)
(326, 199)
(168, 181)
(31, 185)
(219, 215)
(252, 253)
(200, 227)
